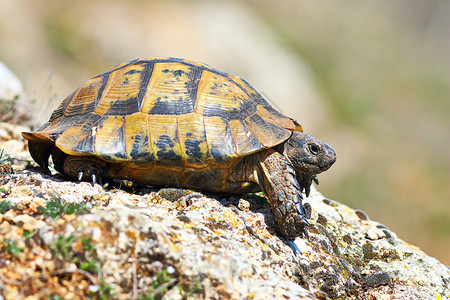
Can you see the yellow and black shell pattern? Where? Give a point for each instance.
(165, 112)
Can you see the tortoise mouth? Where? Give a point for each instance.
(314, 168)
(310, 168)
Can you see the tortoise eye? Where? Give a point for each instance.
(314, 149)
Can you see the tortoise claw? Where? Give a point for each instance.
(307, 191)
(305, 232)
(82, 169)
(316, 179)
(300, 209)
(305, 221)
(294, 247)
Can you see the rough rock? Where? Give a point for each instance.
(76, 240)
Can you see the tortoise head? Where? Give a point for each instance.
(308, 154)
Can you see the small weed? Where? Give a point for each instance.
(5, 206)
(56, 208)
(76, 209)
(2, 190)
(161, 278)
(5, 163)
(90, 266)
(191, 290)
(62, 248)
(196, 288)
(88, 245)
(28, 234)
(162, 283)
(105, 291)
(91, 259)
(4, 157)
(28, 238)
(12, 248)
(87, 260)
(52, 209)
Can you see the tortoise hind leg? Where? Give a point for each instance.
(40, 148)
(278, 181)
(40, 152)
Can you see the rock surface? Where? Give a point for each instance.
(74, 240)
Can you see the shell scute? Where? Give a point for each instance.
(170, 90)
(137, 138)
(268, 134)
(218, 96)
(109, 137)
(125, 91)
(192, 137)
(165, 142)
(75, 135)
(220, 141)
(59, 112)
(84, 99)
(245, 141)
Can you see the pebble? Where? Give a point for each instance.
(244, 205)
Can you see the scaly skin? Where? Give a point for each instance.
(284, 192)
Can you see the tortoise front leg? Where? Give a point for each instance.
(278, 181)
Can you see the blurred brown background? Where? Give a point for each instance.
(372, 78)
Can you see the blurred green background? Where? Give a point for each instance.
(372, 78)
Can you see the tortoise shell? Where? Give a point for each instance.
(173, 122)
(164, 113)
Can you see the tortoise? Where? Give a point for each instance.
(172, 122)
